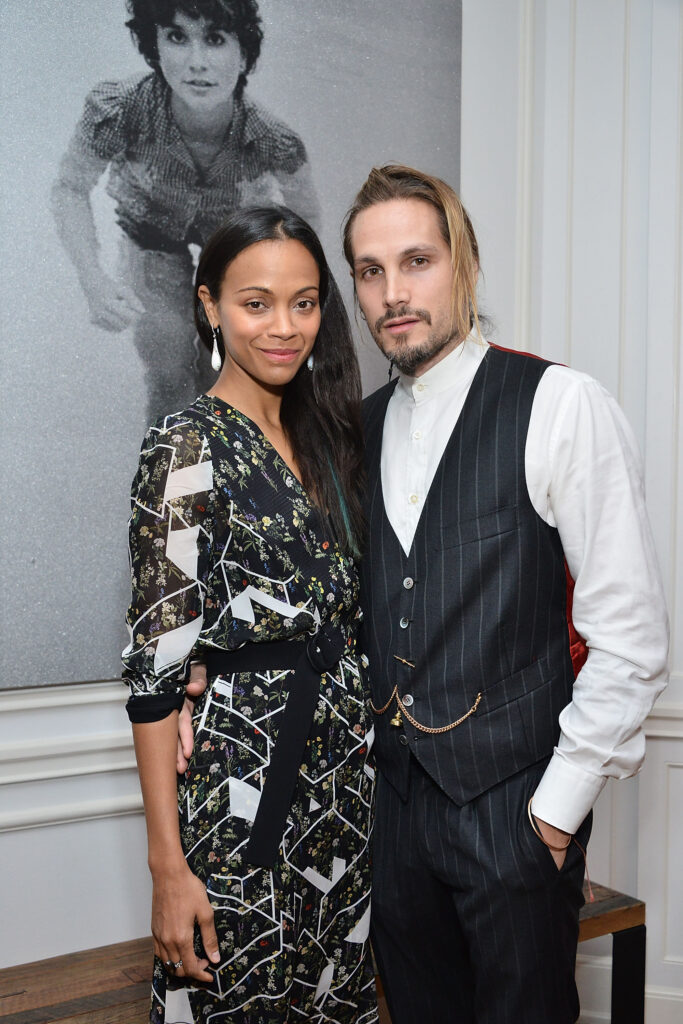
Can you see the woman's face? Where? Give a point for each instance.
(268, 311)
(200, 63)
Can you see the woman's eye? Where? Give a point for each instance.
(255, 304)
(216, 39)
(371, 272)
(305, 304)
(420, 261)
(175, 35)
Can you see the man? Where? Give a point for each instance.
(490, 472)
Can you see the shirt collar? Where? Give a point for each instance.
(458, 367)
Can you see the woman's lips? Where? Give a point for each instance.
(280, 355)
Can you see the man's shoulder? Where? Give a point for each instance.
(519, 357)
(558, 384)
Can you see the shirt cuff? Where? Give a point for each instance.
(155, 707)
(565, 794)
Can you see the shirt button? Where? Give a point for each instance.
(413, 499)
(403, 739)
(408, 700)
(408, 583)
(417, 434)
(404, 623)
(421, 387)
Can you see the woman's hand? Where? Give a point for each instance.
(179, 899)
(112, 304)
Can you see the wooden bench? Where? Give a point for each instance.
(623, 917)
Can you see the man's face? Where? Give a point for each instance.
(402, 273)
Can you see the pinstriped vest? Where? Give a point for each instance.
(478, 606)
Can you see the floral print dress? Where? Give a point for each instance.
(227, 549)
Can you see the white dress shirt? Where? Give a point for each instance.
(584, 478)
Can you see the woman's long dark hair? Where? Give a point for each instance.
(320, 408)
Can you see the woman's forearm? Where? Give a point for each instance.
(73, 216)
(156, 750)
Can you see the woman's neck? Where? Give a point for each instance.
(259, 402)
(202, 126)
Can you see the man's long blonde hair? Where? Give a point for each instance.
(396, 181)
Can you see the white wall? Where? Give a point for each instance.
(572, 168)
(72, 837)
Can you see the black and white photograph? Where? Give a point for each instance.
(131, 129)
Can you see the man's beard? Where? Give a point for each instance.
(409, 358)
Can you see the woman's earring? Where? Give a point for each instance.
(310, 362)
(216, 361)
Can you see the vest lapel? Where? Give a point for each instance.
(450, 452)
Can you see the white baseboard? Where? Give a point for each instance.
(594, 981)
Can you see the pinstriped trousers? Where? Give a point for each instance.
(472, 923)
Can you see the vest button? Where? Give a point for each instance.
(403, 739)
(408, 583)
(408, 700)
(404, 623)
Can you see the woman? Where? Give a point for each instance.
(183, 147)
(244, 542)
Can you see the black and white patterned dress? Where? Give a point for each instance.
(227, 549)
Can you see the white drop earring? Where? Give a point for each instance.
(310, 362)
(216, 361)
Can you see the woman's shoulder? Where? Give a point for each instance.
(262, 128)
(119, 109)
(175, 458)
(182, 435)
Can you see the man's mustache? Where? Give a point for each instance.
(399, 314)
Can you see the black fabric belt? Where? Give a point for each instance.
(309, 659)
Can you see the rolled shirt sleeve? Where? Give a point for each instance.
(584, 477)
(170, 542)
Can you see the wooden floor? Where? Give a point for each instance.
(109, 985)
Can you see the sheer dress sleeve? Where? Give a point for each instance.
(170, 538)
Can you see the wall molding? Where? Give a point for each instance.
(65, 757)
(665, 721)
(53, 740)
(525, 177)
(99, 691)
(64, 814)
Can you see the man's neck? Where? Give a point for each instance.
(435, 359)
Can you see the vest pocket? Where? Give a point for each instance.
(530, 702)
(516, 686)
(491, 524)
